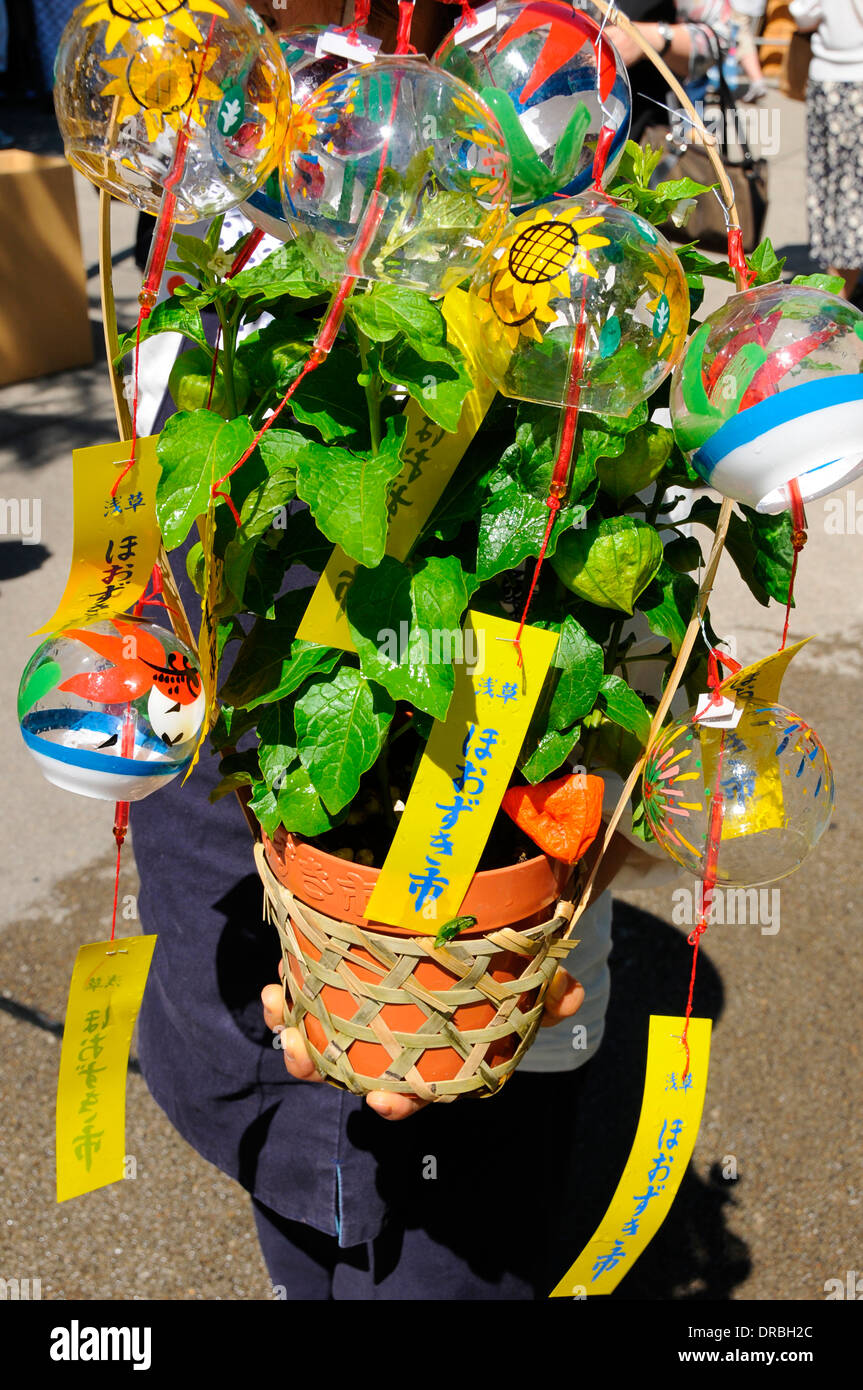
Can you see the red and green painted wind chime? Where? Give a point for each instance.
(184, 109)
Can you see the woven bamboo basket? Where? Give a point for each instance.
(469, 1011)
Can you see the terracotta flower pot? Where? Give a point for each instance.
(325, 903)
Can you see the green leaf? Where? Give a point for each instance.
(195, 251)
(668, 603)
(273, 662)
(579, 660)
(452, 928)
(340, 723)
(286, 271)
(774, 551)
(229, 727)
(610, 562)
(624, 707)
(406, 624)
(532, 458)
(434, 377)
(276, 746)
(550, 753)
(348, 492)
(645, 454)
(765, 263)
(170, 316)
(696, 266)
(331, 399)
(301, 810)
(231, 782)
(265, 806)
(674, 190)
(387, 310)
(514, 515)
(278, 453)
(760, 547)
(195, 449)
(831, 284)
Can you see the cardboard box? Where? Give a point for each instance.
(44, 325)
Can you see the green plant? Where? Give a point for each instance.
(339, 735)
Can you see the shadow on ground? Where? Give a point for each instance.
(694, 1255)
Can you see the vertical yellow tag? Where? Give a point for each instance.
(761, 681)
(208, 636)
(753, 687)
(462, 777)
(104, 998)
(431, 456)
(667, 1129)
(116, 539)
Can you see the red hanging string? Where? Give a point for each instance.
(362, 9)
(159, 251)
(403, 33)
(711, 857)
(117, 873)
(737, 258)
(329, 329)
(798, 540)
(600, 157)
(559, 484)
(467, 16)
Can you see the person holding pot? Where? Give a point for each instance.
(346, 1205)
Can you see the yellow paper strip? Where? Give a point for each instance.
(667, 1129)
(462, 777)
(753, 687)
(116, 540)
(104, 998)
(761, 680)
(431, 456)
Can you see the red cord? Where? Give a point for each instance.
(329, 329)
(714, 837)
(600, 157)
(117, 877)
(403, 33)
(737, 257)
(559, 484)
(798, 540)
(362, 9)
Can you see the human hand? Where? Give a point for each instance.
(564, 998)
(622, 40)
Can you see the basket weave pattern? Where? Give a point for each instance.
(470, 961)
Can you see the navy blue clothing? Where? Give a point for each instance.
(327, 1173)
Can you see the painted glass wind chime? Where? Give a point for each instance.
(184, 109)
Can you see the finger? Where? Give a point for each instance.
(564, 998)
(394, 1107)
(273, 1000)
(297, 1059)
